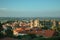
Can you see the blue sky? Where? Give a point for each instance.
(30, 8)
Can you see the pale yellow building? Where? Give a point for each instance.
(59, 23)
(37, 23)
(31, 24)
(53, 25)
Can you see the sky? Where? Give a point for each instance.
(29, 8)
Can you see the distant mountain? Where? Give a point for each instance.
(28, 18)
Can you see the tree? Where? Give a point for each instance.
(1, 28)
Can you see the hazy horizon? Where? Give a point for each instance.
(29, 8)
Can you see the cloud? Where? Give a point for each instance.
(3, 8)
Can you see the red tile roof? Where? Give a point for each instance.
(49, 33)
(46, 33)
